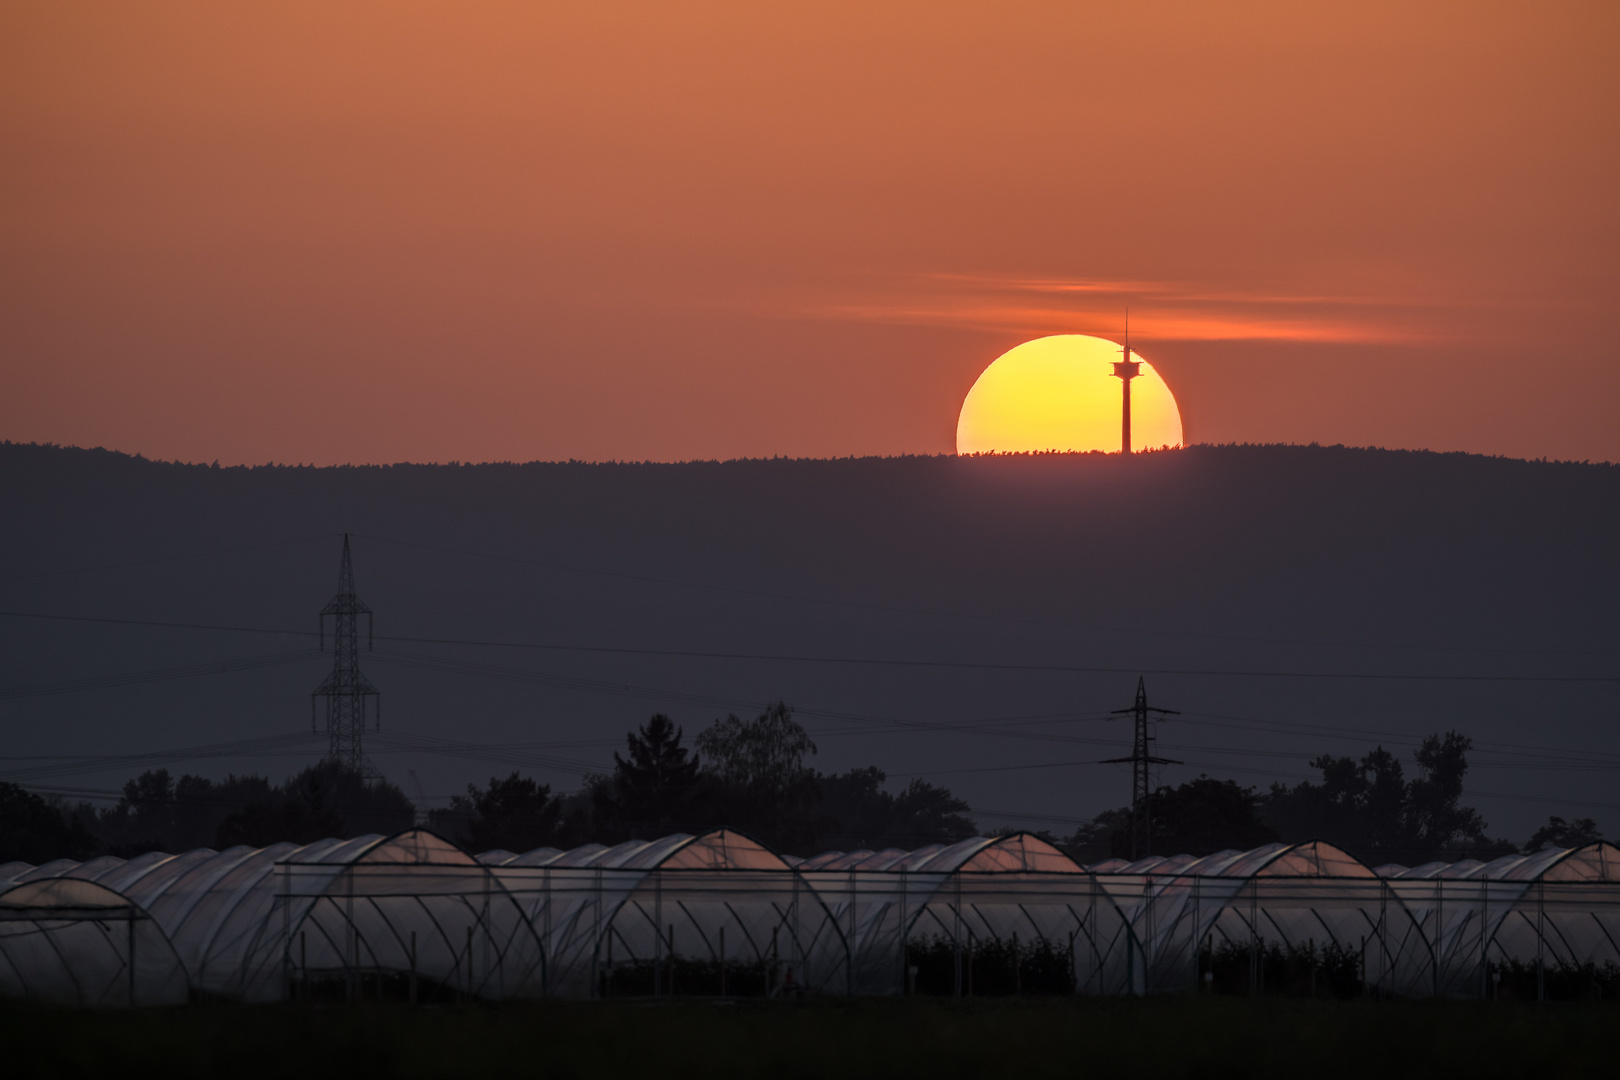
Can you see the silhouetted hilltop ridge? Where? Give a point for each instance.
(22, 453)
(1209, 559)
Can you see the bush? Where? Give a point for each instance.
(991, 968)
(1512, 980)
(1326, 971)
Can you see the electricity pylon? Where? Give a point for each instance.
(346, 689)
(1142, 757)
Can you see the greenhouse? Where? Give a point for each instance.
(1188, 912)
(1556, 912)
(414, 917)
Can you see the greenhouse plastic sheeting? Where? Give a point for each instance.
(1303, 895)
(634, 917)
(1557, 908)
(74, 942)
(1012, 891)
(720, 913)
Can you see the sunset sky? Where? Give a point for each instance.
(333, 232)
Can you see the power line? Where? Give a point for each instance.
(107, 763)
(1347, 734)
(966, 665)
(134, 678)
(980, 726)
(933, 613)
(819, 600)
(573, 682)
(163, 559)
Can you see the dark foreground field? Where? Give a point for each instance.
(1023, 1038)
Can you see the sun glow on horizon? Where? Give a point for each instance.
(1060, 393)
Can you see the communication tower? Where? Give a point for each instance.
(1142, 759)
(1126, 370)
(346, 688)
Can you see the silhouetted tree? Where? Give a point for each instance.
(758, 778)
(749, 775)
(1558, 833)
(1204, 816)
(1360, 805)
(143, 818)
(159, 813)
(1435, 819)
(1093, 841)
(1371, 810)
(1200, 817)
(515, 814)
(35, 830)
(654, 791)
(296, 813)
(859, 813)
(326, 799)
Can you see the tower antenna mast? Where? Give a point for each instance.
(1142, 757)
(346, 689)
(1126, 370)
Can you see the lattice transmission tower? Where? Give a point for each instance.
(1142, 760)
(346, 689)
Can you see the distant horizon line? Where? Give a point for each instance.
(454, 463)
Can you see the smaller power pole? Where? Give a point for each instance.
(1125, 371)
(1142, 757)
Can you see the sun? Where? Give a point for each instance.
(1060, 393)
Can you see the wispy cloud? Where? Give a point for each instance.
(1159, 309)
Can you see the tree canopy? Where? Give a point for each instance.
(1370, 809)
(515, 814)
(756, 778)
(858, 813)
(1199, 817)
(654, 790)
(754, 775)
(35, 830)
(1559, 833)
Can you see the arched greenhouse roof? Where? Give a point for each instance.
(1597, 861)
(76, 942)
(60, 894)
(717, 849)
(1314, 858)
(1014, 853)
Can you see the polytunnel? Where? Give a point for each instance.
(401, 910)
(74, 942)
(1013, 909)
(719, 913)
(1551, 915)
(1280, 898)
(332, 917)
(715, 913)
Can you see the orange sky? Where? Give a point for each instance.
(345, 231)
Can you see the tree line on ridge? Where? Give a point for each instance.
(753, 775)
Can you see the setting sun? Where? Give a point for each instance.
(1060, 393)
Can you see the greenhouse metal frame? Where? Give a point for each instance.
(415, 916)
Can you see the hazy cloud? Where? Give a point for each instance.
(1161, 310)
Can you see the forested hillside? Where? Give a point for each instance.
(1281, 598)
